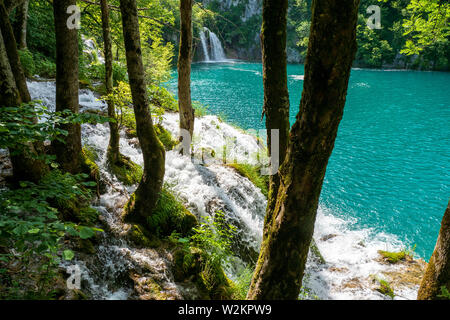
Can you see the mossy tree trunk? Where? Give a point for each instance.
(146, 196)
(13, 54)
(437, 273)
(23, 158)
(69, 153)
(276, 95)
(9, 96)
(113, 147)
(184, 69)
(26, 166)
(332, 46)
(21, 25)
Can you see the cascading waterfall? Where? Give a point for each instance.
(211, 46)
(204, 45)
(349, 254)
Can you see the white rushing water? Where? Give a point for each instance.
(350, 255)
(211, 46)
(204, 46)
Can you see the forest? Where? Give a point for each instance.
(224, 150)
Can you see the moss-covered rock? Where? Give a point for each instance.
(170, 215)
(393, 257)
(139, 236)
(126, 171)
(193, 264)
(88, 165)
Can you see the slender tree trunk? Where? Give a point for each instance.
(25, 166)
(13, 54)
(437, 274)
(21, 25)
(144, 200)
(68, 154)
(10, 5)
(276, 95)
(113, 148)
(9, 96)
(184, 69)
(332, 46)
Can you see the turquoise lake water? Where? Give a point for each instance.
(390, 168)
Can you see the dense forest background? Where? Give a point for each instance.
(410, 37)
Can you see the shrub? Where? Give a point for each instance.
(27, 62)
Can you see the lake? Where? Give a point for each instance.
(390, 168)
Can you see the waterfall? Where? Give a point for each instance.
(211, 46)
(204, 45)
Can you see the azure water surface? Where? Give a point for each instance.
(390, 169)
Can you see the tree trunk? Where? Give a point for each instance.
(144, 200)
(13, 54)
(437, 274)
(21, 25)
(113, 147)
(332, 47)
(276, 95)
(68, 154)
(184, 69)
(25, 166)
(10, 5)
(9, 96)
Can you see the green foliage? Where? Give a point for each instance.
(205, 255)
(215, 235)
(200, 109)
(445, 294)
(160, 97)
(27, 62)
(170, 215)
(18, 126)
(242, 283)
(385, 288)
(44, 67)
(40, 28)
(253, 173)
(427, 23)
(31, 231)
(160, 100)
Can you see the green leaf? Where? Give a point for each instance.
(68, 255)
(86, 233)
(33, 231)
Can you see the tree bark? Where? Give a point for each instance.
(68, 154)
(13, 54)
(25, 166)
(144, 199)
(184, 69)
(276, 95)
(331, 50)
(437, 273)
(10, 95)
(114, 138)
(21, 25)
